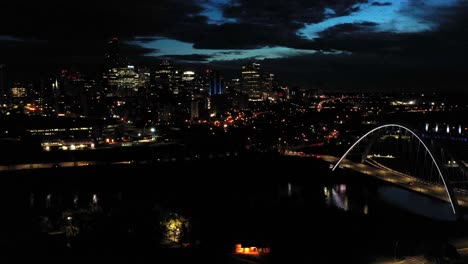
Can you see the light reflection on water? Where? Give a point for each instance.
(337, 196)
(353, 198)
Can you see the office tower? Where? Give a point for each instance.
(163, 77)
(268, 80)
(251, 81)
(113, 59)
(216, 83)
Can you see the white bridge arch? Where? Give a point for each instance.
(448, 189)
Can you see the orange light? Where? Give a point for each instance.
(251, 251)
(239, 248)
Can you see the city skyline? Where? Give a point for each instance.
(377, 45)
(230, 131)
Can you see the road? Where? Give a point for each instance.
(386, 174)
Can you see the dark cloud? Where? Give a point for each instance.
(95, 19)
(280, 12)
(431, 60)
(56, 33)
(243, 36)
(381, 3)
(261, 22)
(347, 28)
(67, 33)
(187, 58)
(448, 40)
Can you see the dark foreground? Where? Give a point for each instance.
(119, 212)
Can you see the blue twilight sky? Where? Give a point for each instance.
(397, 16)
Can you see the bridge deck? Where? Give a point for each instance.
(400, 179)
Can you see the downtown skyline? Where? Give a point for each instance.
(372, 44)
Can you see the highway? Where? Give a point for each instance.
(31, 166)
(377, 170)
(68, 164)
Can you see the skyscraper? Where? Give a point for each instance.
(251, 81)
(124, 81)
(113, 59)
(113, 62)
(168, 79)
(188, 83)
(216, 83)
(268, 80)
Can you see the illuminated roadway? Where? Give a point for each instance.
(386, 174)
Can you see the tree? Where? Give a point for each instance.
(175, 228)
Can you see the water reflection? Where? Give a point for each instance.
(356, 198)
(48, 203)
(75, 201)
(416, 203)
(338, 195)
(95, 199)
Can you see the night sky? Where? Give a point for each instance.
(399, 44)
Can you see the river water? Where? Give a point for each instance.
(128, 204)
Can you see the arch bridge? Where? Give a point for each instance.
(441, 188)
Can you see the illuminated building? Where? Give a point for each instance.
(168, 79)
(283, 92)
(268, 80)
(188, 76)
(63, 133)
(177, 85)
(251, 251)
(216, 82)
(123, 81)
(194, 110)
(112, 56)
(18, 92)
(188, 85)
(188, 79)
(113, 63)
(234, 86)
(201, 84)
(297, 93)
(59, 98)
(252, 82)
(165, 113)
(18, 98)
(144, 76)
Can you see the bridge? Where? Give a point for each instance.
(437, 185)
